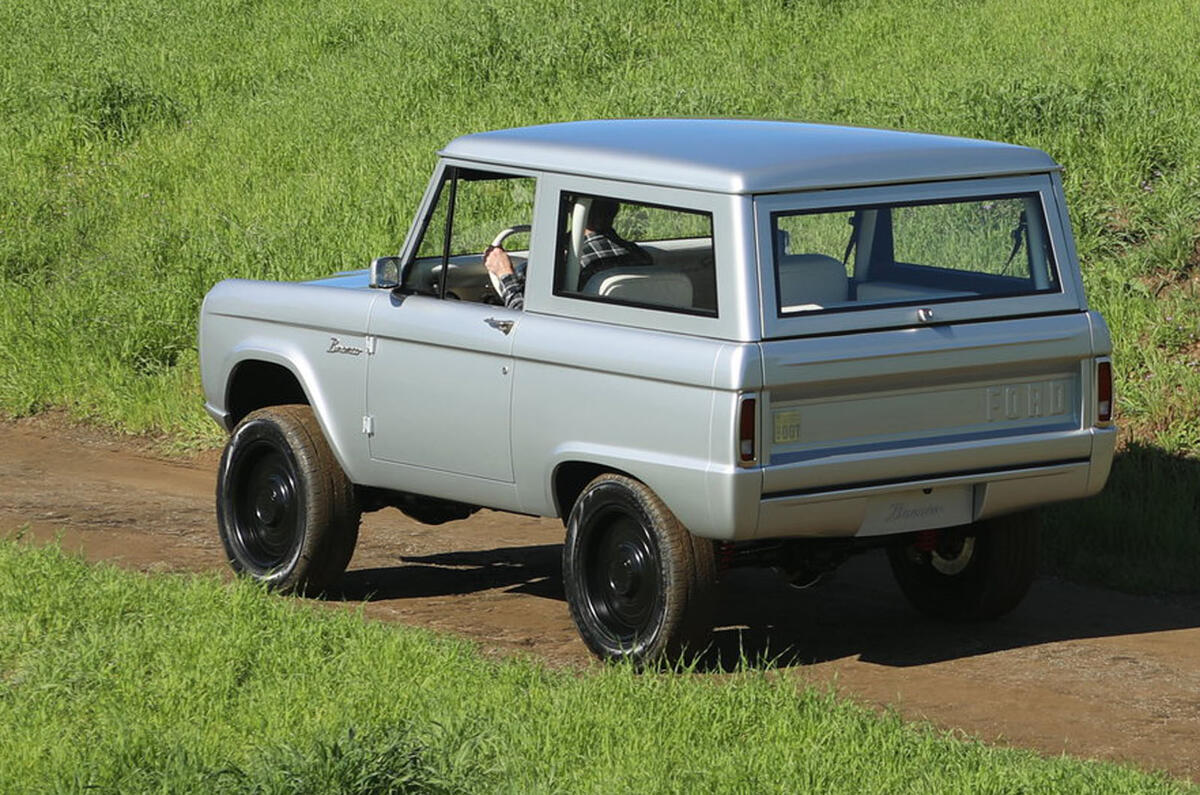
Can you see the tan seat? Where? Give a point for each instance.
(812, 281)
(644, 285)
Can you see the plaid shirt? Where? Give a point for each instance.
(513, 291)
(604, 250)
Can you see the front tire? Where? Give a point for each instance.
(976, 572)
(635, 578)
(286, 512)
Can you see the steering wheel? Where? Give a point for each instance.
(496, 243)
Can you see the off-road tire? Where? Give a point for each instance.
(995, 578)
(286, 512)
(637, 582)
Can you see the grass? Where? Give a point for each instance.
(150, 149)
(1141, 534)
(153, 149)
(112, 681)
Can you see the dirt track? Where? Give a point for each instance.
(1078, 670)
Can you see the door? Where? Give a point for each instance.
(439, 387)
(439, 382)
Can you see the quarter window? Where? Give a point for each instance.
(624, 252)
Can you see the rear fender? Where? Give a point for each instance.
(686, 485)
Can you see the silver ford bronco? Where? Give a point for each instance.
(735, 343)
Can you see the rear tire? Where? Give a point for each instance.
(636, 580)
(977, 572)
(286, 512)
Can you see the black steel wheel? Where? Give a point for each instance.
(285, 510)
(267, 514)
(971, 573)
(635, 577)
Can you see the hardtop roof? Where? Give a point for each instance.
(745, 156)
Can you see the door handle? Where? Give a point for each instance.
(503, 326)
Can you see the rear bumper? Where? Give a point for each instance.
(855, 510)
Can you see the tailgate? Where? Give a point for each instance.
(874, 408)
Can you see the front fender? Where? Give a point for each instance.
(338, 404)
(292, 325)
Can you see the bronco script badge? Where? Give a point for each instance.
(336, 346)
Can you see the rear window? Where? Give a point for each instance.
(898, 254)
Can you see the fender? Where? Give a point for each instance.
(294, 326)
(339, 421)
(675, 479)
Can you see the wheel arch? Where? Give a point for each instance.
(259, 376)
(256, 382)
(709, 505)
(570, 478)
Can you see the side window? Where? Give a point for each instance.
(472, 209)
(625, 252)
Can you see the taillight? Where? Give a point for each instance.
(747, 425)
(1104, 391)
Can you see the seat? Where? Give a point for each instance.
(643, 285)
(812, 281)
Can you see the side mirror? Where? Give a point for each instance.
(385, 272)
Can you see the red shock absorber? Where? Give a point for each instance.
(926, 540)
(724, 555)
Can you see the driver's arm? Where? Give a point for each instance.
(496, 260)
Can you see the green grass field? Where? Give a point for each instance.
(150, 149)
(112, 681)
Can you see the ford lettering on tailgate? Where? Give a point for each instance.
(1026, 401)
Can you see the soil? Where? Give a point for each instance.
(1074, 669)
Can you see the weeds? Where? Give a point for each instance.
(393, 763)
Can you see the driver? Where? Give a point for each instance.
(602, 249)
(512, 286)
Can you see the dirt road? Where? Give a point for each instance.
(1077, 670)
